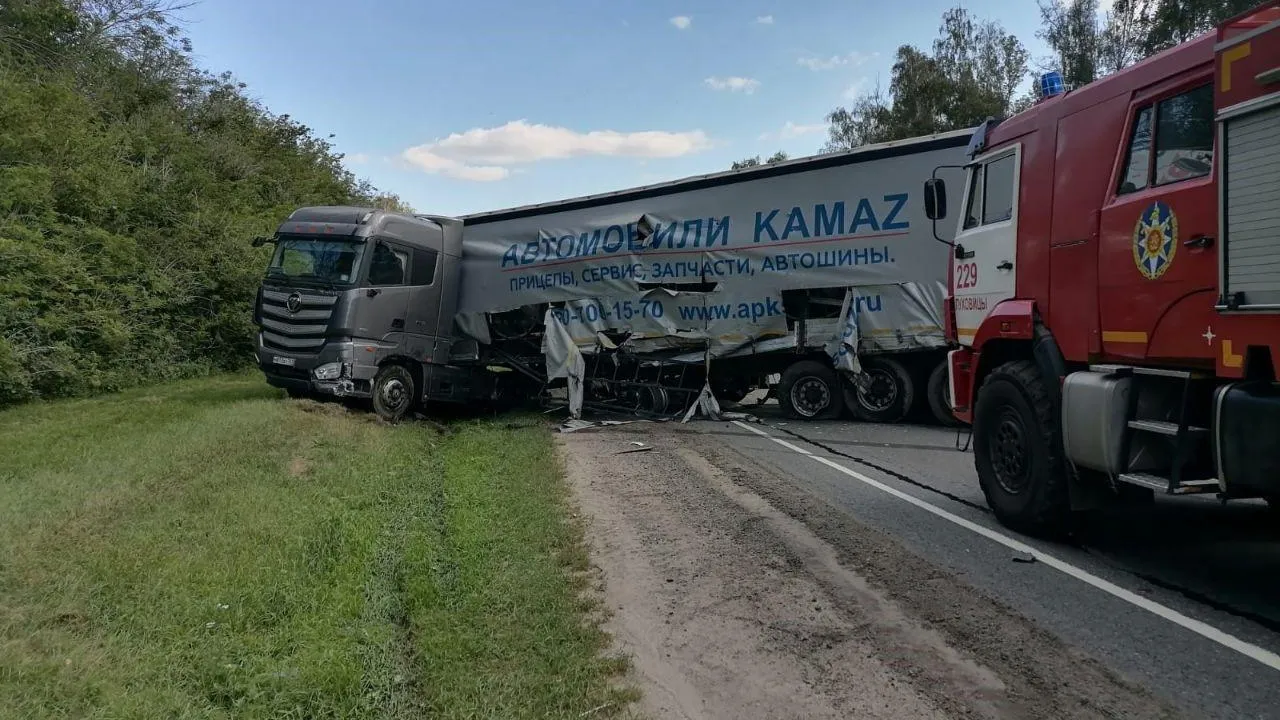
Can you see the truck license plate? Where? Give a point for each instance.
(283, 360)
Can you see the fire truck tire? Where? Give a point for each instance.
(394, 392)
(888, 396)
(1015, 434)
(810, 390)
(939, 395)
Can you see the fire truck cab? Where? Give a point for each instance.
(1115, 284)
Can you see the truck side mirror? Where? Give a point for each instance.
(259, 241)
(935, 198)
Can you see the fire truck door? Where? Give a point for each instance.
(982, 269)
(1157, 271)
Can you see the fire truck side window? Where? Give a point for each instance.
(1138, 165)
(1184, 136)
(997, 202)
(974, 204)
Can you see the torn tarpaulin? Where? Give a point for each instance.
(564, 360)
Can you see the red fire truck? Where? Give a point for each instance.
(1115, 284)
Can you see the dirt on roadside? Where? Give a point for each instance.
(731, 607)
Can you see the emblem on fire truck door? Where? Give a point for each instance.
(1155, 240)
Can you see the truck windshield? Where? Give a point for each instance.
(333, 262)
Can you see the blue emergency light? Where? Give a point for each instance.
(1051, 84)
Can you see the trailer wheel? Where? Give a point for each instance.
(810, 390)
(653, 399)
(883, 394)
(939, 395)
(394, 392)
(1015, 452)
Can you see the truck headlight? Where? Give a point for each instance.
(328, 371)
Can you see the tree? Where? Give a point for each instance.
(777, 157)
(1124, 32)
(972, 72)
(1071, 29)
(1088, 47)
(130, 183)
(1170, 22)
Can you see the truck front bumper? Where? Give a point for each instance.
(330, 371)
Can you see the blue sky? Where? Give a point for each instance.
(477, 105)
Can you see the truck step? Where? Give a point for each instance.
(1161, 484)
(1161, 427)
(1138, 370)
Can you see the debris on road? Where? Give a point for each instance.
(637, 447)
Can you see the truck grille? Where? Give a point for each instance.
(1251, 210)
(300, 331)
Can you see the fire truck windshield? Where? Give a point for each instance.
(328, 261)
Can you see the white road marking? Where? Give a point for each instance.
(1262, 655)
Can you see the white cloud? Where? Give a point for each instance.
(792, 130)
(764, 20)
(733, 84)
(682, 22)
(356, 158)
(854, 59)
(857, 89)
(485, 154)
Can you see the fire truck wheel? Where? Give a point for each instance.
(939, 394)
(810, 390)
(1014, 440)
(394, 392)
(884, 393)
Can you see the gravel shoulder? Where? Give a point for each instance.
(736, 594)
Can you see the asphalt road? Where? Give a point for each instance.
(1185, 560)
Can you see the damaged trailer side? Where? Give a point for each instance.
(820, 275)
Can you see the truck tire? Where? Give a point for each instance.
(394, 392)
(1016, 451)
(939, 396)
(885, 393)
(810, 390)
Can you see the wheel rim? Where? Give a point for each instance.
(810, 396)
(1008, 450)
(878, 391)
(395, 395)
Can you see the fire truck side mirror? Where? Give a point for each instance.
(935, 198)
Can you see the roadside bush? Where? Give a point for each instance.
(130, 184)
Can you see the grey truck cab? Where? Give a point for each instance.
(360, 303)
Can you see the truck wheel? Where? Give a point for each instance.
(810, 390)
(393, 392)
(883, 394)
(1015, 450)
(939, 395)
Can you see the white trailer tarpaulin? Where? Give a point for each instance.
(844, 220)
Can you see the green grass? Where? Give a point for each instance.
(208, 549)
